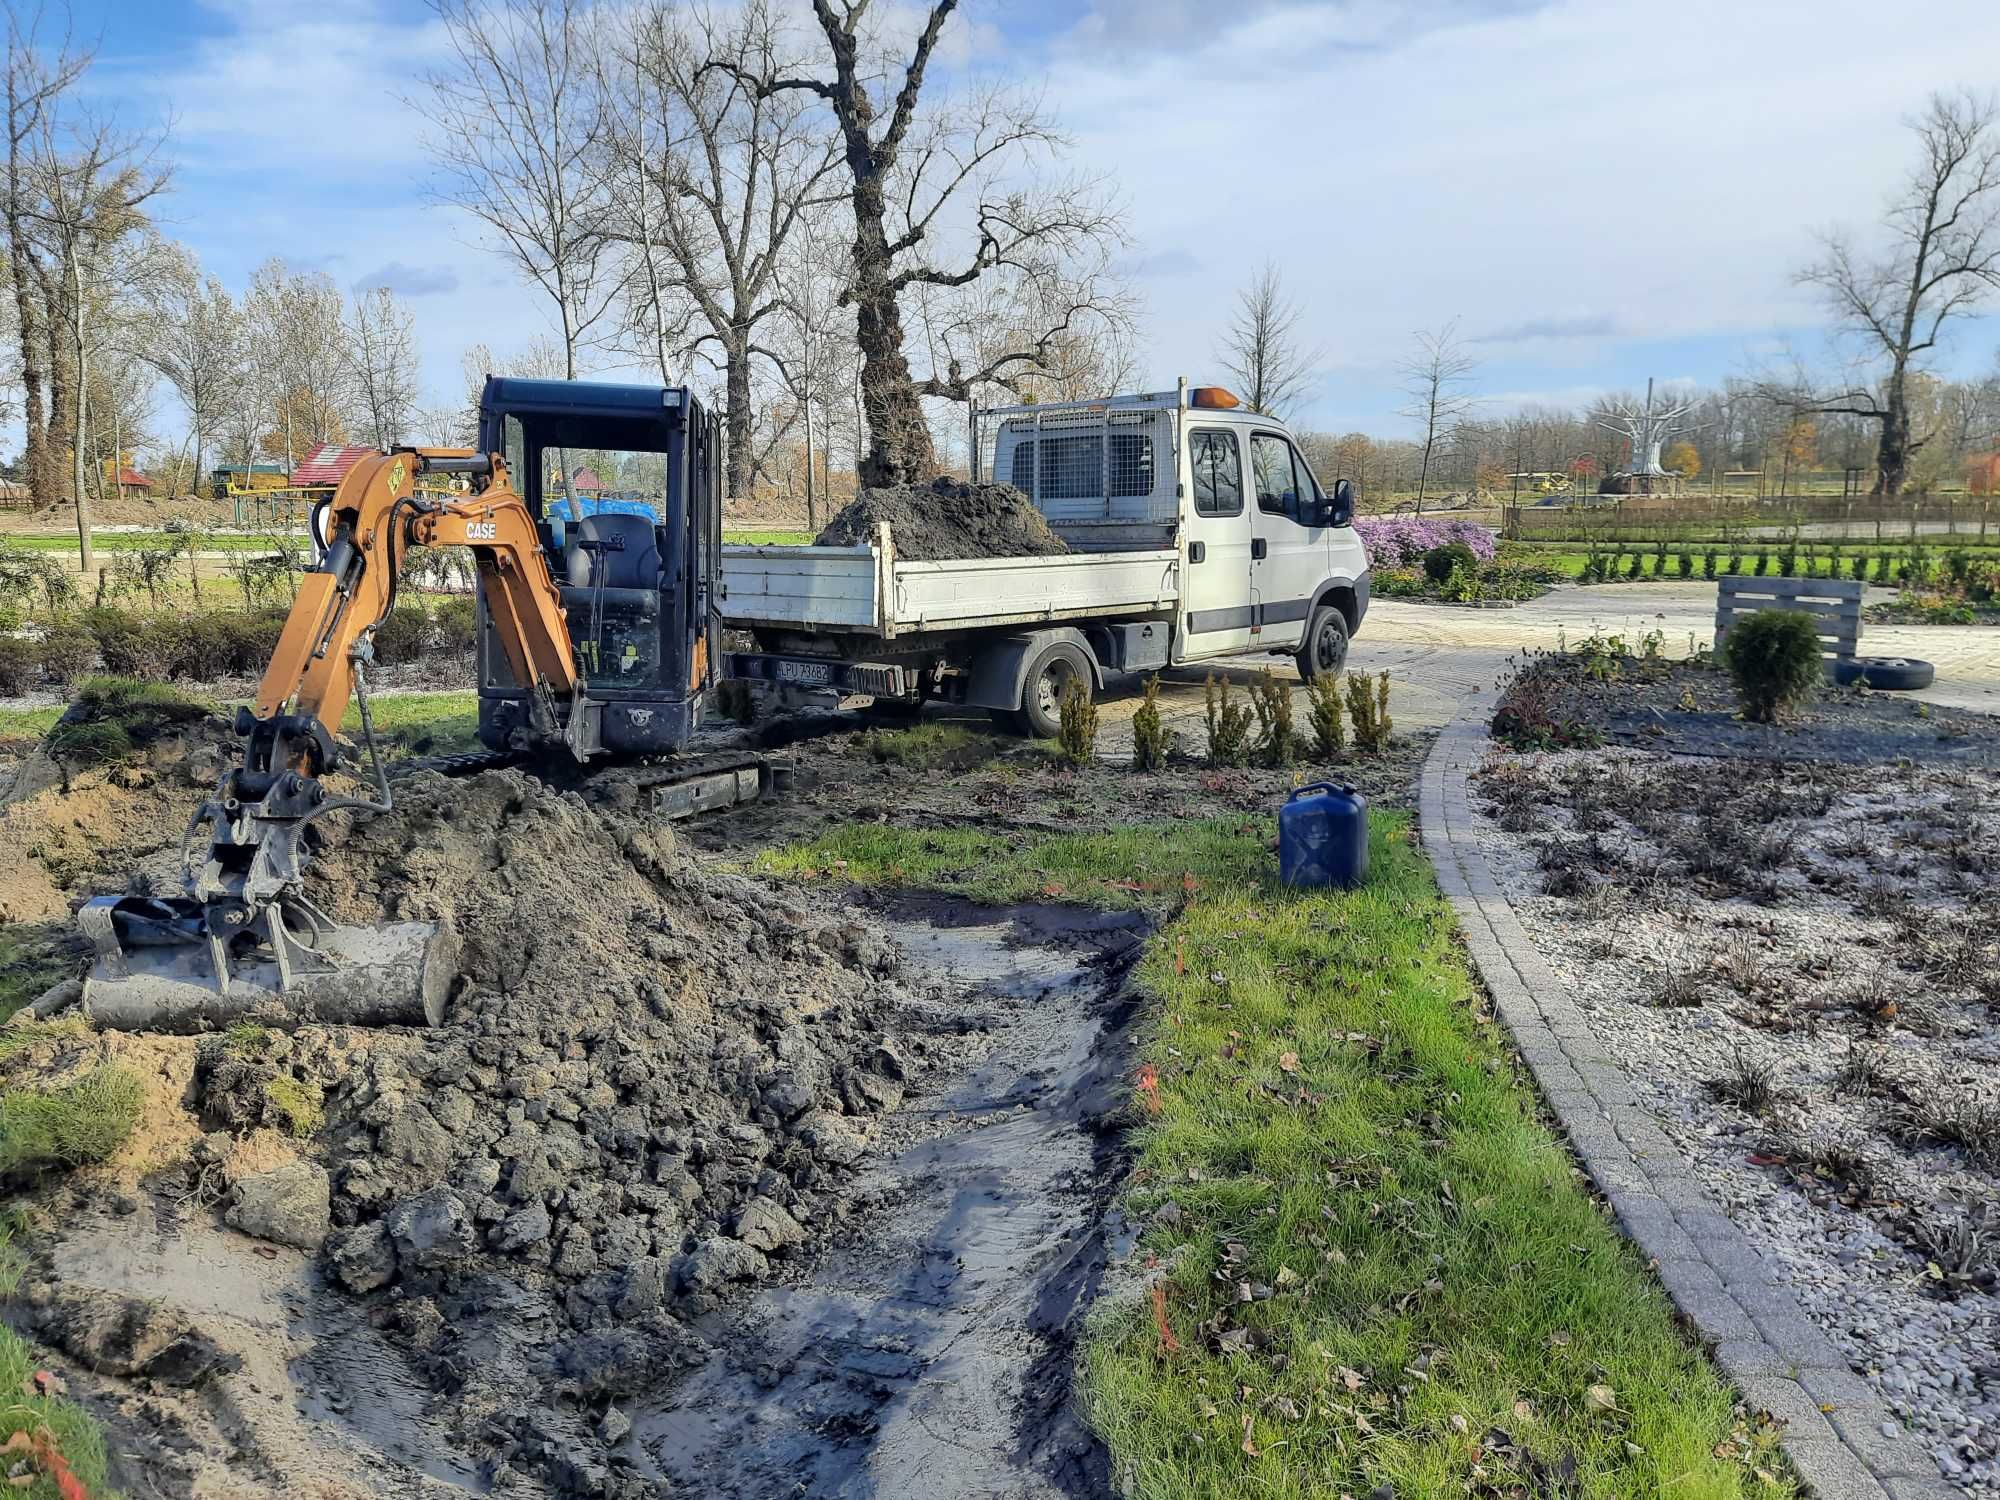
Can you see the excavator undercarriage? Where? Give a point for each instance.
(614, 659)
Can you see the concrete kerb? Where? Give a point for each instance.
(1728, 1294)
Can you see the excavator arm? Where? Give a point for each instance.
(243, 941)
(373, 519)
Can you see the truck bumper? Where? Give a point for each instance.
(875, 679)
(1361, 587)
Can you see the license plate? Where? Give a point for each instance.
(805, 671)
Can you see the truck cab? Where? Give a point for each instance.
(1269, 561)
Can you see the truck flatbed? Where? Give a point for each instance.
(870, 591)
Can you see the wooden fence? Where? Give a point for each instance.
(1835, 602)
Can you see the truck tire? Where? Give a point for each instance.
(1323, 650)
(1042, 687)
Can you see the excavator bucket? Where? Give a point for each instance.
(172, 964)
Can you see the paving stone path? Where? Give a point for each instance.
(1840, 1437)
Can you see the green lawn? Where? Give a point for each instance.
(1385, 1270)
(135, 541)
(420, 723)
(410, 723)
(770, 538)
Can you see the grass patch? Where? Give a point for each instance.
(769, 538)
(1385, 1269)
(27, 723)
(14, 1263)
(14, 1040)
(33, 956)
(138, 541)
(1135, 865)
(302, 1104)
(246, 1037)
(931, 747)
(81, 1122)
(71, 1432)
(110, 717)
(420, 723)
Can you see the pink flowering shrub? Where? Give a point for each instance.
(1402, 541)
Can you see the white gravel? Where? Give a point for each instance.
(1911, 839)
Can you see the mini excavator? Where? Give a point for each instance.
(596, 635)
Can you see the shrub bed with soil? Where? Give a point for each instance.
(1795, 965)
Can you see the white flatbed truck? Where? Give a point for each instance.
(1196, 528)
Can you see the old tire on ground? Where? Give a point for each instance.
(1891, 674)
(1043, 683)
(1323, 649)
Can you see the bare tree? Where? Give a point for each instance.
(904, 169)
(299, 323)
(94, 182)
(1943, 260)
(1435, 378)
(1261, 347)
(518, 135)
(382, 348)
(196, 341)
(37, 80)
(713, 170)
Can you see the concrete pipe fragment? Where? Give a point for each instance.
(393, 975)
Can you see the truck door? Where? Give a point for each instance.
(1288, 553)
(1215, 537)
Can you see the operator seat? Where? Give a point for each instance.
(629, 557)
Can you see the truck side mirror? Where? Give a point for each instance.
(1341, 511)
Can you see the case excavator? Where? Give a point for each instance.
(596, 635)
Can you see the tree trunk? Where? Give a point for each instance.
(1892, 453)
(899, 441)
(741, 477)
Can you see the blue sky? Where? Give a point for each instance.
(1599, 190)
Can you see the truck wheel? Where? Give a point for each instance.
(1042, 688)
(1323, 651)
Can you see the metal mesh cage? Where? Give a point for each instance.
(1084, 463)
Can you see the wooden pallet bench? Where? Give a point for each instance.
(1834, 602)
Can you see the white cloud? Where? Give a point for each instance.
(1512, 170)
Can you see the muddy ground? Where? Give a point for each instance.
(708, 1185)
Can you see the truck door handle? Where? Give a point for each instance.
(1257, 546)
(1197, 551)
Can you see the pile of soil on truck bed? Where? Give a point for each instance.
(946, 518)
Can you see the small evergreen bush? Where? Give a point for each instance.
(1774, 658)
(68, 651)
(1329, 724)
(1277, 740)
(1441, 562)
(457, 622)
(1076, 731)
(1369, 711)
(1150, 738)
(402, 635)
(1228, 724)
(20, 665)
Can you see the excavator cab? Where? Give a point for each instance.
(624, 484)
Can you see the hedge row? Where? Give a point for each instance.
(203, 647)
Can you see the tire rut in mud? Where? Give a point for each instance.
(927, 1351)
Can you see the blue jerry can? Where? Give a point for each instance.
(1323, 836)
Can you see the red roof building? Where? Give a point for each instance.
(131, 479)
(328, 463)
(585, 481)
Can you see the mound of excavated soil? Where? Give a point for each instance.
(947, 518)
(651, 1081)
